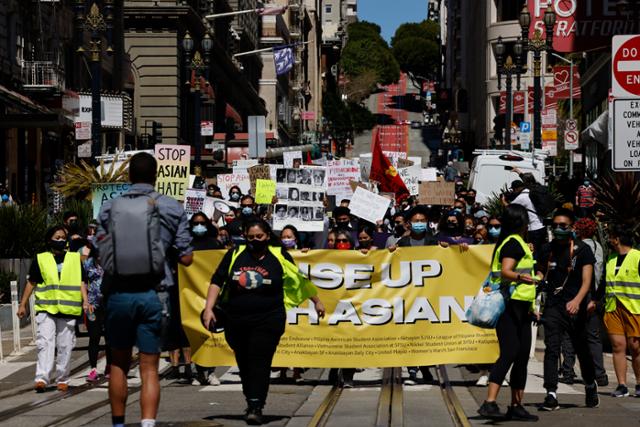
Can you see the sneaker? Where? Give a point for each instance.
(518, 413)
(482, 381)
(348, 384)
(253, 416)
(591, 398)
(40, 387)
(637, 394)
(413, 378)
(550, 403)
(93, 375)
(490, 410)
(174, 373)
(212, 379)
(569, 380)
(63, 387)
(602, 381)
(620, 391)
(427, 377)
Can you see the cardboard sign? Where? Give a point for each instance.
(356, 184)
(368, 206)
(288, 158)
(265, 191)
(404, 163)
(100, 193)
(194, 201)
(256, 173)
(173, 169)
(437, 193)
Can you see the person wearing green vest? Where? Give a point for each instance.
(512, 268)
(622, 305)
(59, 282)
(256, 283)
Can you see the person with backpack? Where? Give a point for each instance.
(136, 231)
(253, 286)
(537, 232)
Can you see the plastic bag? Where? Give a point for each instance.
(487, 306)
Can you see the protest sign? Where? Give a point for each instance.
(300, 194)
(398, 309)
(404, 163)
(411, 177)
(356, 184)
(429, 175)
(368, 206)
(265, 191)
(365, 167)
(258, 172)
(173, 169)
(339, 174)
(194, 201)
(228, 180)
(437, 193)
(393, 156)
(100, 193)
(288, 158)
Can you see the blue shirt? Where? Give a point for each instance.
(174, 232)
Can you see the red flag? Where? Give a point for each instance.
(383, 172)
(309, 158)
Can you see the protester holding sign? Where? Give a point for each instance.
(254, 285)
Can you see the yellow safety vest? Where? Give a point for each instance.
(522, 291)
(296, 287)
(624, 286)
(59, 293)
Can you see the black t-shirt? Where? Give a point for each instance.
(555, 259)
(255, 286)
(408, 241)
(512, 249)
(205, 243)
(35, 275)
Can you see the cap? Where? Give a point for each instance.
(480, 214)
(517, 184)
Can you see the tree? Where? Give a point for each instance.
(416, 47)
(428, 30)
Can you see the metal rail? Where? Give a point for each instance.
(450, 398)
(390, 401)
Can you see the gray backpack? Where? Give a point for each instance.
(133, 246)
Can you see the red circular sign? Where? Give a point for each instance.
(626, 66)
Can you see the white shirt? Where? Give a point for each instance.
(524, 200)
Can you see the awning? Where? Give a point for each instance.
(231, 113)
(21, 101)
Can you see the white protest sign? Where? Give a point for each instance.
(429, 175)
(194, 201)
(368, 206)
(393, 156)
(411, 178)
(226, 181)
(289, 156)
(339, 174)
(365, 167)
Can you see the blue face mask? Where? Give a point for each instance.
(418, 227)
(5, 198)
(494, 232)
(247, 210)
(199, 230)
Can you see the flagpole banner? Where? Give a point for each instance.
(384, 309)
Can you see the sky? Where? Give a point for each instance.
(389, 14)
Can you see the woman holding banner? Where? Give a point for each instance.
(255, 284)
(513, 268)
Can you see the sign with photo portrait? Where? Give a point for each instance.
(300, 194)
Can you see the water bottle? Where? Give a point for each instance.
(91, 316)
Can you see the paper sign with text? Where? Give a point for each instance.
(265, 191)
(194, 201)
(339, 174)
(429, 175)
(368, 206)
(437, 193)
(289, 156)
(173, 169)
(100, 193)
(228, 180)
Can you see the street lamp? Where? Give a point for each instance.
(508, 68)
(97, 24)
(537, 45)
(197, 66)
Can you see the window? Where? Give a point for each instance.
(327, 8)
(509, 10)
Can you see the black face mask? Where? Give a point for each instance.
(73, 226)
(452, 227)
(257, 245)
(58, 245)
(399, 230)
(342, 224)
(365, 244)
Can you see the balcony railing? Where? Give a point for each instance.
(42, 75)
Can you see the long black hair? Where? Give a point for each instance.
(515, 220)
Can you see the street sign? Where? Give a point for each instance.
(525, 127)
(571, 139)
(257, 137)
(626, 135)
(206, 128)
(214, 147)
(525, 140)
(625, 65)
(571, 124)
(83, 130)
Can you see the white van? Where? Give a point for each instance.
(492, 170)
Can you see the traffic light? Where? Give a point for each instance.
(156, 132)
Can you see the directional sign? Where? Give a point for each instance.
(625, 65)
(571, 139)
(626, 138)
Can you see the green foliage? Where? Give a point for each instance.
(618, 197)
(22, 230)
(494, 206)
(346, 118)
(5, 286)
(365, 30)
(83, 208)
(427, 30)
(361, 118)
(360, 56)
(416, 47)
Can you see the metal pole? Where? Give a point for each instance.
(570, 115)
(237, 12)
(508, 118)
(32, 315)
(96, 113)
(17, 344)
(197, 113)
(537, 98)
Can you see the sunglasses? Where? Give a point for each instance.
(561, 225)
(199, 223)
(342, 240)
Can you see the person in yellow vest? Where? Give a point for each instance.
(513, 269)
(622, 305)
(59, 282)
(258, 282)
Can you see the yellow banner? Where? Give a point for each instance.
(405, 308)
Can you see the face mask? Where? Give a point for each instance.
(223, 239)
(399, 230)
(229, 219)
(587, 183)
(459, 210)
(199, 230)
(343, 245)
(470, 199)
(480, 241)
(73, 226)
(235, 196)
(418, 227)
(257, 245)
(5, 198)
(247, 210)
(494, 231)
(562, 234)
(58, 245)
(289, 243)
(342, 224)
(365, 243)
(211, 193)
(452, 226)
(90, 239)
(469, 229)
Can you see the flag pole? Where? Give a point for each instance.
(251, 52)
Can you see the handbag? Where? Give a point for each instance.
(217, 326)
(487, 306)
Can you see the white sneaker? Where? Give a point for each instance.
(482, 381)
(505, 383)
(213, 380)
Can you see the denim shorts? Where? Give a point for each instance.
(134, 318)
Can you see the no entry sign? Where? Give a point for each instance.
(626, 66)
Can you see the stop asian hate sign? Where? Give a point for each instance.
(626, 66)
(173, 169)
